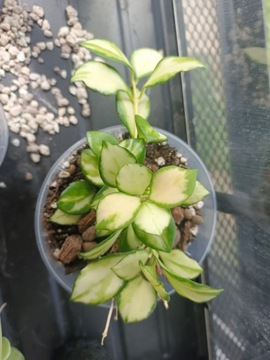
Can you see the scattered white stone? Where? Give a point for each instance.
(2, 185)
(25, 115)
(16, 142)
(194, 230)
(21, 56)
(160, 161)
(28, 176)
(183, 160)
(38, 10)
(50, 45)
(35, 157)
(63, 174)
(44, 150)
(73, 120)
(63, 74)
(66, 165)
(54, 205)
(199, 205)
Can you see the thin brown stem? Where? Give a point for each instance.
(108, 321)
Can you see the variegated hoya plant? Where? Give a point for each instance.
(8, 352)
(133, 204)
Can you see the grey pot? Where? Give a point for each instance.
(198, 249)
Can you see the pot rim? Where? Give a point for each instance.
(3, 135)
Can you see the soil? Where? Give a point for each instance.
(66, 242)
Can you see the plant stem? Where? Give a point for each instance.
(2, 307)
(166, 305)
(135, 98)
(108, 321)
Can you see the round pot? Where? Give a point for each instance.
(198, 249)
(3, 135)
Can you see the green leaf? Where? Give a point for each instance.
(116, 211)
(106, 49)
(76, 198)
(136, 147)
(112, 158)
(101, 248)
(199, 193)
(96, 282)
(90, 167)
(100, 77)
(179, 264)
(133, 179)
(257, 54)
(191, 290)
(137, 300)
(147, 132)
(103, 233)
(104, 191)
(126, 111)
(6, 348)
(129, 266)
(155, 227)
(149, 271)
(172, 185)
(169, 66)
(95, 140)
(15, 354)
(128, 240)
(62, 218)
(144, 61)
(1, 338)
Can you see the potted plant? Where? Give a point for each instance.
(116, 213)
(8, 352)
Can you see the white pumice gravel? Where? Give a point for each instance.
(160, 161)
(26, 109)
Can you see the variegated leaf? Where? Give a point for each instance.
(104, 191)
(155, 226)
(199, 193)
(76, 198)
(128, 240)
(169, 66)
(112, 158)
(129, 266)
(147, 132)
(179, 264)
(116, 211)
(126, 111)
(136, 146)
(137, 300)
(90, 167)
(6, 349)
(172, 185)
(62, 218)
(144, 61)
(95, 140)
(100, 77)
(192, 290)
(101, 248)
(106, 49)
(96, 282)
(149, 271)
(133, 179)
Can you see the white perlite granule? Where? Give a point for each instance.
(21, 89)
